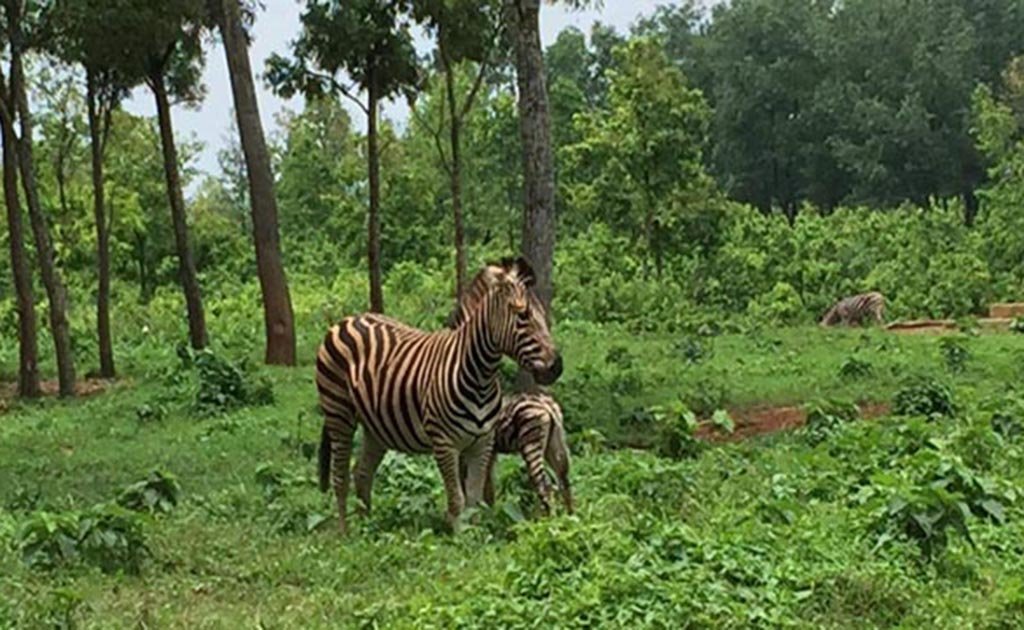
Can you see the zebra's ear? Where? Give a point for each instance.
(524, 271)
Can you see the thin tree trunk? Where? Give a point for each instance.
(373, 157)
(278, 317)
(106, 346)
(455, 181)
(538, 165)
(186, 262)
(535, 133)
(52, 281)
(28, 349)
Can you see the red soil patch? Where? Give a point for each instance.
(761, 420)
(83, 389)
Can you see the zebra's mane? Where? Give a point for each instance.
(481, 284)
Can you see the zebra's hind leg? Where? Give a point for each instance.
(533, 439)
(447, 458)
(369, 460)
(557, 455)
(340, 431)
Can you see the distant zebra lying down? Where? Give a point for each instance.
(531, 424)
(856, 310)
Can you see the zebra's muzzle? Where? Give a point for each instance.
(551, 374)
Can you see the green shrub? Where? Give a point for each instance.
(925, 397)
(677, 426)
(955, 353)
(158, 492)
(782, 305)
(1017, 325)
(826, 417)
(695, 349)
(853, 368)
(706, 395)
(106, 536)
(222, 385)
(944, 498)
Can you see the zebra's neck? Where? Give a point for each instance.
(480, 355)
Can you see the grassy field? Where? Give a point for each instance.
(804, 528)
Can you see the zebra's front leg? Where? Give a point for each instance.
(478, 468)
(447, 458)
(369, 460)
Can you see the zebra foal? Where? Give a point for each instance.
(429, 392)
(530, 424)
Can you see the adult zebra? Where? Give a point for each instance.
(855, 310)
(420, 392)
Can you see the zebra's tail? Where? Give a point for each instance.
(324, 459)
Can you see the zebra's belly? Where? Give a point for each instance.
(395, 420)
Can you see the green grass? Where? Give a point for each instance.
(768, 533)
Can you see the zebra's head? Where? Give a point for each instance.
(517, 319)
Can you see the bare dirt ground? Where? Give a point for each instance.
(762, 420)
(83, 388)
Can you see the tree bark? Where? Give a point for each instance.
(186, 261)
(455, 181)
(28, 349)
(55, 290)
(535, 133)
(96, 139)
(373, 157)
(538, 164)
(278, 317)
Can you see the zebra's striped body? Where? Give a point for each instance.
(531, 424)
(420, 392)
(856, 310)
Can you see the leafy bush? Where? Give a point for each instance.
(944, 498)
(722, 421)
(223, 385)
(1017, 325)
(955, 353)
(150, 412)
(106, 536)
(1007, 417)
(853, 368)
(705, 396)
(677, 426)
(694, 349)
(781, 305)
(825, 417)
(158, 492)
(925, 397)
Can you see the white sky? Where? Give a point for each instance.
(279, 24)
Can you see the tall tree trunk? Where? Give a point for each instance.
(96, 136)
(535, 133)
(278, 318)
(28, 349)
(538, 164)
(186, 262)
(55, 290)
(455, 181)
(373, 157)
